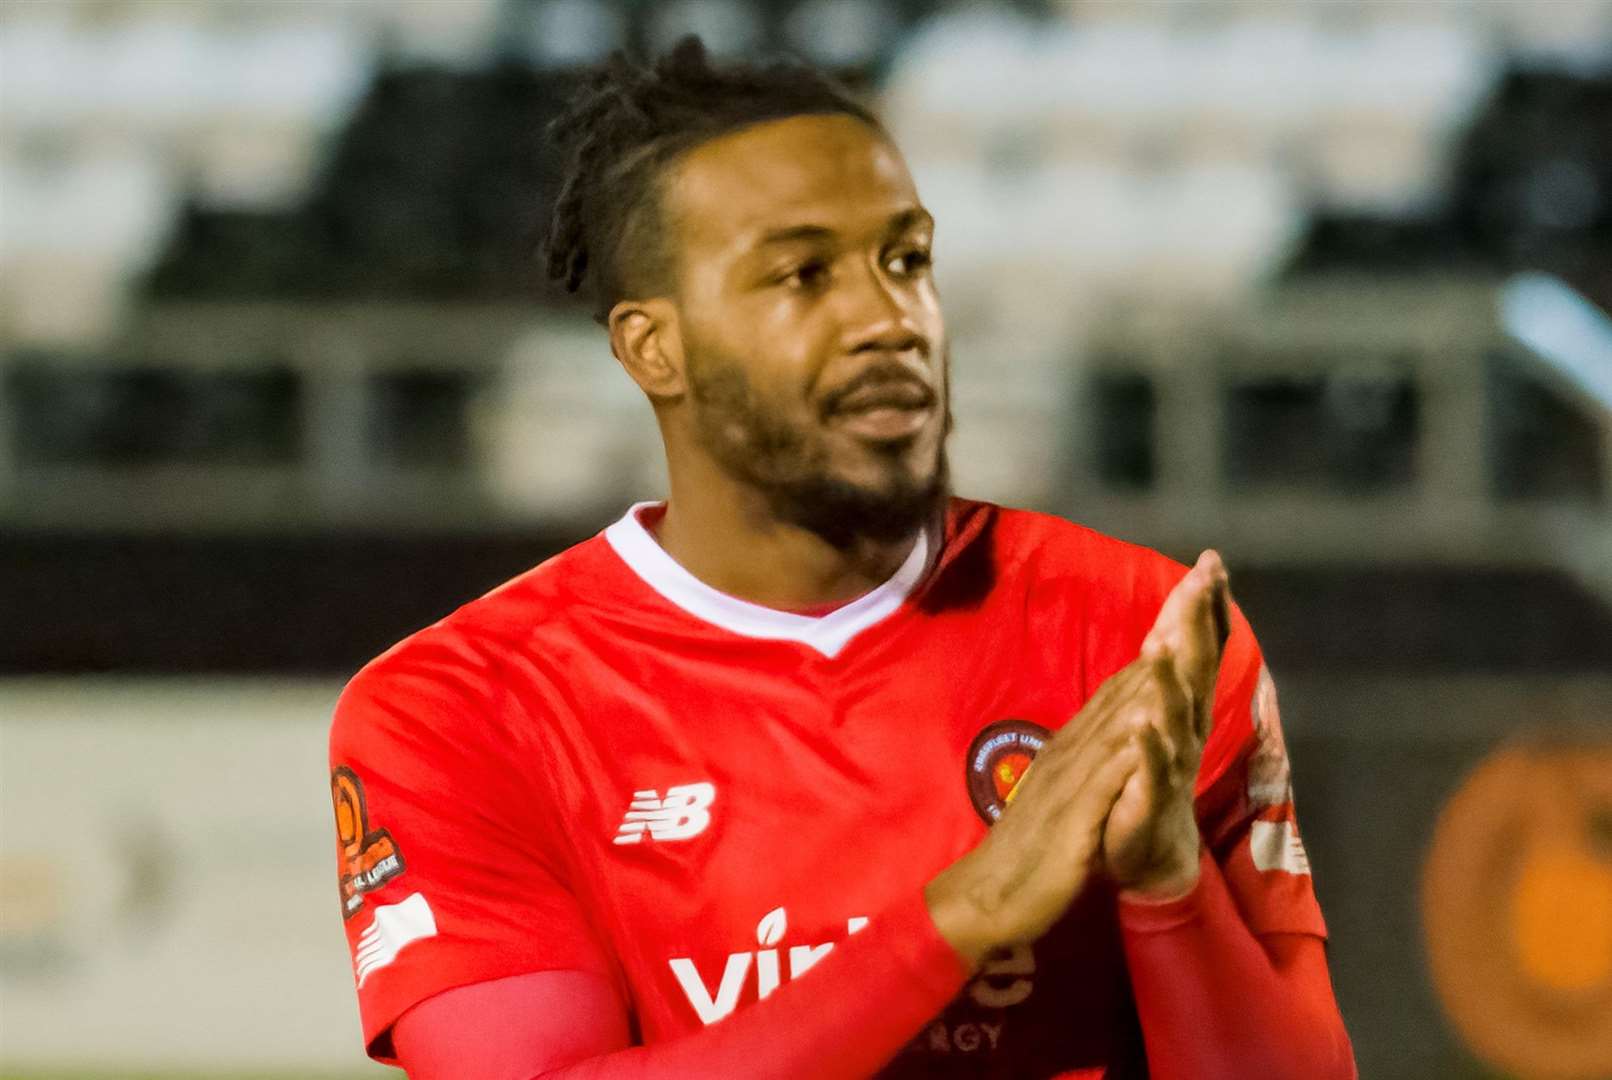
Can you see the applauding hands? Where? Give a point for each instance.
(1150, 843)
(1112, 791)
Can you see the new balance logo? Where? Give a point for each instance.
(1275, 845)
(685, 812)
(395, 926)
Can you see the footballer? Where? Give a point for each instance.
(812, 769)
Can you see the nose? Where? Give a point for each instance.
(878, 316)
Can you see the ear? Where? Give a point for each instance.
(647, 339)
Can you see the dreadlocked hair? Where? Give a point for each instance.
(628, 121)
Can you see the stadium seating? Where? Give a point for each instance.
(1157, 162)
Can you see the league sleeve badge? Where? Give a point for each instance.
(1270, 781)
(366, 858)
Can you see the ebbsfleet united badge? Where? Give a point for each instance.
(997, 759)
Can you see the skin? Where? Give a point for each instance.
(801, 272)
(799, 347)
(1110, 793)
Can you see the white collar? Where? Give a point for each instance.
(828, 634)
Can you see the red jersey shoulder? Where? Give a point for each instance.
(1056, 548)
(432, 722)
(1116, 584)
(531, 599)
(1105, 592)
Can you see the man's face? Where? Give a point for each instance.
(815, 349)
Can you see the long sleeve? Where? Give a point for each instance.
(845, 1018)
(1215, 1001)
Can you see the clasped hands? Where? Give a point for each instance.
(1111, 792)
(1150, 842)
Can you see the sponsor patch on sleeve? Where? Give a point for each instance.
(1275, 845)
(366, 858)
(1270, 779)
(394, 926)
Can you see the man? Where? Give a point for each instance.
(743, 786)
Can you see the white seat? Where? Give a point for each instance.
(841, 33)
(299, 71)
(559, 400)
(113, 206)
(968, 67)
(566, 33)
(44, 66)
(453, 33)
(726, 27)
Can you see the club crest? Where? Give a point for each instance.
(997, 760)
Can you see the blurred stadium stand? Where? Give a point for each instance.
(279, 381)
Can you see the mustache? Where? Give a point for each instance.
(892, 376)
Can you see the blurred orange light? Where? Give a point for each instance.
(1562, 916)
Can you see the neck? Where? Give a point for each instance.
(724, 534)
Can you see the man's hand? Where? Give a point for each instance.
(1150, 844)
(1016, 883)
(1111, 790)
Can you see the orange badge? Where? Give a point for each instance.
(366, 858)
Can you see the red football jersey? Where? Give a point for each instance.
(606, 765)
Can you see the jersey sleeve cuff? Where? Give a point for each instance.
(1142, 916)
(919, 957)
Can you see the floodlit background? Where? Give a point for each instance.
(1322, 284)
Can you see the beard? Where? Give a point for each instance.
(790, 467)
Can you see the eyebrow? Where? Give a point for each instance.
(899, 223)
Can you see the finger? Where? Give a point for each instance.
(1192, 625)
(1149, 689)
(1181, 755)
(1111, 718)
(1097, 714)
(1102, 772)
(1144, 789)
(1220, 617)
(1187, 609)
(1120, 684)
(1177, 603)
(1221, 611)
(1174, 711)
(1157, 760)
(1119, 738)
(1107, 782)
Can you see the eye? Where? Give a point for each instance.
(808, 275)
(909, 262)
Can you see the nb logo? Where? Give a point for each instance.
(685, 812)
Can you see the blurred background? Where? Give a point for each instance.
(1322, 284)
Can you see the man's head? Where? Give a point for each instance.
(756, 247)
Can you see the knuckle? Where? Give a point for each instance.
(1138, 719)
(1148, 697)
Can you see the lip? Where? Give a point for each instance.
(883, 422)
(905, 394)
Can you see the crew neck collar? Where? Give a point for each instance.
(827, 634)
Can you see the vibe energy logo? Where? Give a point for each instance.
(1006, 978)
(772, 965)
(684, 812)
